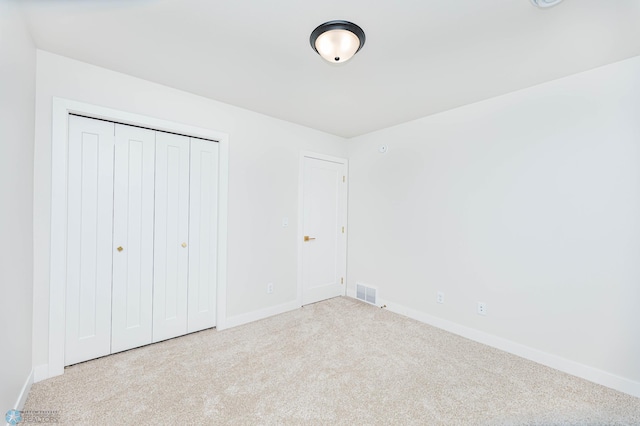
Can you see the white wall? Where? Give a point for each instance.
(263, 180)
(529, 202)
(17, 97)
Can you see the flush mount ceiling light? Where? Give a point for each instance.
(545, 3)
(337, 41)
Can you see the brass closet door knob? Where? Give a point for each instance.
(120, 248)
(308, 238)
(184, 245)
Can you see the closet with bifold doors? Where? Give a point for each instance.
(142, 226)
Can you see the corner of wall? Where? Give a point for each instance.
(24, 392)
(260, 314)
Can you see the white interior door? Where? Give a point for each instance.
(323, 224)
(133, 215)
(89, 239)
(203, 235)
(171, 253)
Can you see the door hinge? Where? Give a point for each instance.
(341, 280)
(344, 178)
(343, 229)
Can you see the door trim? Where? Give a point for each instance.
(61, 109)
(339, 160)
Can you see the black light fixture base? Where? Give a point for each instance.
(337, 25)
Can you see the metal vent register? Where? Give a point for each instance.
(367, 294)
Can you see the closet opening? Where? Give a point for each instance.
(138, 231)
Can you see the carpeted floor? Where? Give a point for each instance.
(335, 362)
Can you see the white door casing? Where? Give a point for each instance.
(89, 239)
(171, 236)
(323, 240)
(133, 216)
(203, 219)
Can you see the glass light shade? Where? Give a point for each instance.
(337, 45)
(337, 41)
(545, 3)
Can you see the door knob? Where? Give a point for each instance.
(184, 245)
(308, 238)
(120, 248)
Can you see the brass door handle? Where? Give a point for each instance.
(120, 248)
(308, 238)
(184, 245)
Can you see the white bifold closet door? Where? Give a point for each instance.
(142, 237)
(186, 221)
(133, 215)
(203, 235)
(89, 239)
(171, 248)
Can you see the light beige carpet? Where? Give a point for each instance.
(336, 362)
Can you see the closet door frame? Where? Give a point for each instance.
(61, 109)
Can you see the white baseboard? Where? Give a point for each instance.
(22, 398)
(261, 314)
(565, 365)
(40, 373)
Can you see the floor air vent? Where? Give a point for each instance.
(367, 294)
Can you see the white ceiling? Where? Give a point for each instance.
(421, 56)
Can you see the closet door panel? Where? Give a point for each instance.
(171, 236)
(203, 227)
(133, 215)
(89, 239)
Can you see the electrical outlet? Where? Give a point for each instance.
(482, 308)
(269, 288)
(440, 297)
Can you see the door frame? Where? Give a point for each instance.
(61, 109)
(345, 163)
